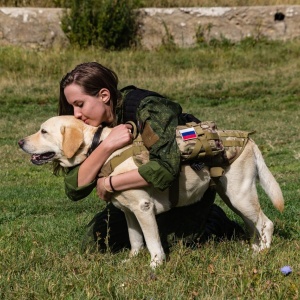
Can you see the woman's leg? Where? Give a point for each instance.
(107, 231)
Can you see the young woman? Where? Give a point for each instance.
(90, 93)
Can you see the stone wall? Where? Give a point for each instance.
(41, 27)
(31, 27)
(233, 23)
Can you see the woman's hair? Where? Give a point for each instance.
(91, 77)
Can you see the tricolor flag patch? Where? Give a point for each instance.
(188, 134)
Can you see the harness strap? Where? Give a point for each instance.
(138, 146)
(233, 143)
(196, 150)
(206, 146)
(134, 130)
(174, 193)
(117, 160)
(216, 172)
(235, 133)
(212, 135)
(95, 141)
(136, 149)
(109, 167)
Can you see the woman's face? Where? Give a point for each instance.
(92, 110)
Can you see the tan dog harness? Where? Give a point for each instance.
(197, 142)
(215, 148)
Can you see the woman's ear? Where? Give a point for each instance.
(104, 95)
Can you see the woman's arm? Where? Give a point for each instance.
(159, 117)
(119, 137)
(121, 182)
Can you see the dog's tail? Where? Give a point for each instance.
(267, 181)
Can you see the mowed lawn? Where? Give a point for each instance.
(251, 86)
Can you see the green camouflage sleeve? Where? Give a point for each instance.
(158, 118)
(72, 190)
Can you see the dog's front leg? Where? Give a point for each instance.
(146, 217)
(135, 233)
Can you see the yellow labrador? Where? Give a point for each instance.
(67, 140)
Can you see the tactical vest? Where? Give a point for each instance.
(133, 99)
(215, 148)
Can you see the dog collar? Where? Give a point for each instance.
(95, 142)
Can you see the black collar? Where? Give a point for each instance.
(95, 142)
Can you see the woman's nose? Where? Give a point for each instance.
(77, 112)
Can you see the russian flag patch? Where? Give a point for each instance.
(188, 134)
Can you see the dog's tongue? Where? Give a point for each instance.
(39, 159)
(35, 157)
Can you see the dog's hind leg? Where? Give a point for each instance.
(240, 194)
(246, 205)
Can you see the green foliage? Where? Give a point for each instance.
(32, 3)
(117, 25)
(168, 43)
(202, 32)
(79, 24)
(204, 39)
(108, 24)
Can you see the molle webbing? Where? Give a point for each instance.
(214, 147)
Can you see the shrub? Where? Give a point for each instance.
(110, 24)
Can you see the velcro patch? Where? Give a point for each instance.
(149, 136)
(188, 134)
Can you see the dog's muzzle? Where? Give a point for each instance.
(37, 158)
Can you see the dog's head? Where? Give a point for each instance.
(63, 138)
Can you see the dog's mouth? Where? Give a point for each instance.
(40, 159)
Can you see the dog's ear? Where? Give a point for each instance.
(72, 140)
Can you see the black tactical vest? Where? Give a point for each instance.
(133, 99)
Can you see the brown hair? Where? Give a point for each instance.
(91, 77)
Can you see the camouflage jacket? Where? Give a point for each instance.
(157, 119)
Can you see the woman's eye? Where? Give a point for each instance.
(43, 131)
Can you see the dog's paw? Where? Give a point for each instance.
(135, 252)
(157, 261)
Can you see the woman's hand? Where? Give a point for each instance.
(103, 190)
(119, 137)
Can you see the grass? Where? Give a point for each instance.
(240, 87)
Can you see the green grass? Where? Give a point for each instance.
(240, 87)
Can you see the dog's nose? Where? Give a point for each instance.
(21, 143)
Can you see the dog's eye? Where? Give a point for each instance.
(43, 131)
